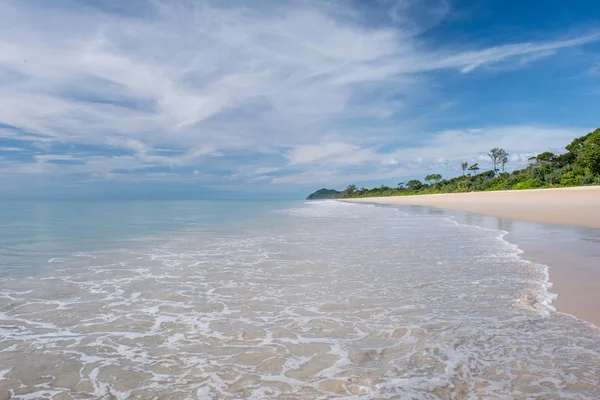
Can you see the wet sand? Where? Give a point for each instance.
(571, 253)
(562, 230)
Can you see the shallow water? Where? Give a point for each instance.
(289, 301)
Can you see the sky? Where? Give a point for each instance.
(263, 99)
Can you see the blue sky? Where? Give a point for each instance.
(259, 99)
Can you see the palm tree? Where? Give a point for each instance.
(474, 168)
(464, 166)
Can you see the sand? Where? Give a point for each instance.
(571, 252)
(579, 206)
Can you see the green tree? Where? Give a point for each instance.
(577, 144)
(414, 184)
(545, 158)
(590, 152)
(503, 159)
(464, 166)
(348, 192)
(435, 178)
(565, 159)
(499, 157)
(474, 168)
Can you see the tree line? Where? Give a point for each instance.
(578, 166)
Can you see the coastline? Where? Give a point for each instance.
(559, 228)
(576, 206)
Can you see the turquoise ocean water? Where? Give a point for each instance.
(274, 299)
(37, 233)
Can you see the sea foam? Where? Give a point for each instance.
(327, 300)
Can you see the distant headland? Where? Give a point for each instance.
(324, 194)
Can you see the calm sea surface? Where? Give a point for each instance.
(276, 300)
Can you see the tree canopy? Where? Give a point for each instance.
(589, 153)
(464, 166)
(435, 178)
(323, 194)
(499, 157)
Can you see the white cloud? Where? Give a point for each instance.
(333, 153)
(389, 161)
(53, 157)
(472, 145)
(444, 152)
(471, 60)
(11, 149)
(200, 84)
(336, 177)
(264, 170)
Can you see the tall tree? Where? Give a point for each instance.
(474, 168)
(498, 156)
(464, 166)
(577, 144)
(435, 178)
(503, 158)
(494, 155)
(590, 152)
(545, 158)
(348, 192)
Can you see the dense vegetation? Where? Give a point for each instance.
(578, 166)
(323, 194)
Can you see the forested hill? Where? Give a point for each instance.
(578, 166)
(323, 194)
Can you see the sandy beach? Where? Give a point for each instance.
(578, 206)
(573, 258)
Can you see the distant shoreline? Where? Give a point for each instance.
(575, 278)
(574, 206)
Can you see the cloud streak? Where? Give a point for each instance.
(256, 92)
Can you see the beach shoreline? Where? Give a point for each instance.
(559, 228)
(576, 206)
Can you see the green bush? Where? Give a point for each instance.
(554, 177)
(497, 184)
(570, 178)
(514, 179)
(541, 172)
(528, 184)
(587, 180)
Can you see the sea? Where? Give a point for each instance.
(277, 300)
